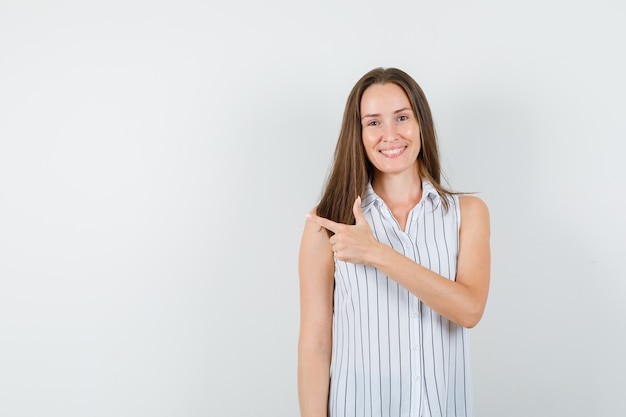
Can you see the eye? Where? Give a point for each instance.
(373, 123)
(403, 118)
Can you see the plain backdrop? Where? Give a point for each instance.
(157, 159)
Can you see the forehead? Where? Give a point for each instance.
(381, 98)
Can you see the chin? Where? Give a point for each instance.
(393, 168)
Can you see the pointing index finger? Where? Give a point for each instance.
(325, 223)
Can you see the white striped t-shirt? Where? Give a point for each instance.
(392, 355)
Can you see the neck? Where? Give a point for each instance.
(402, 188)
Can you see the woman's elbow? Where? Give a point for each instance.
(471, 318)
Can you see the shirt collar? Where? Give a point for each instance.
(370, 197)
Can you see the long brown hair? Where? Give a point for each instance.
(351, 168)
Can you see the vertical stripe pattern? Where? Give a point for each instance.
(392, 355)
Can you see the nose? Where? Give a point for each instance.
(390, 133)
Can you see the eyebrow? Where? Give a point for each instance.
(395, 112)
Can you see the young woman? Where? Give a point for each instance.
(394, 268)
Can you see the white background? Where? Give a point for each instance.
(157, 159)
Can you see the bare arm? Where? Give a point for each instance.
(461, 301)
(316, 270)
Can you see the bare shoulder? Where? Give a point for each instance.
(474, 213)
(315, 242)
(472, 203)
(314, 232)
(316, 262)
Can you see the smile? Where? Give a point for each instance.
(393, 152)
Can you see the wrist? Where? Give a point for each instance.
(379, 254)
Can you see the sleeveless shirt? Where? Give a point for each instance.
(392, 356)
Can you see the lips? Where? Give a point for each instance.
(392, 152)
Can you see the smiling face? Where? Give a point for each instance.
(390, 132)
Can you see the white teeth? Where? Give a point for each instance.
(391, 152)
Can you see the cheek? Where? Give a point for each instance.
(369, 147)
(368, 140)
(414, 133)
